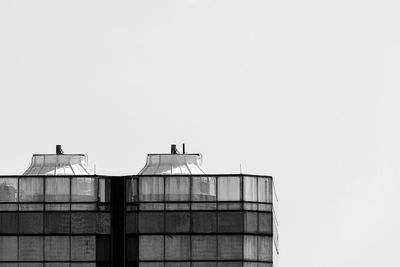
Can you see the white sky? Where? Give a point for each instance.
(306, 91)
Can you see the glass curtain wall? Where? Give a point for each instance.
(199, 220)
(54, 221)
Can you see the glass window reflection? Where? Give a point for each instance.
(151, 189)
(177, 189)
(203, 189)
(228, 188)
(31, 189)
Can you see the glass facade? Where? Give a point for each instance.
(158, 220)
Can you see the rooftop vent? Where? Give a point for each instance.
(174, 163)
(58, 164)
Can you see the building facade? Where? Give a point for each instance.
(171, 214)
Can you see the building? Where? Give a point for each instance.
(172, 213)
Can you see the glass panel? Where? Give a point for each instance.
(265, 222)
(204, 247)
(30, 223)
(151, 247)
(151, 222)
(262, 189)
(8, 222)
(265, 248)
(103, 223)
(83, 222)
(177, 264)
(203, 189)
(84, 207)
(57, 190)
(131, 222)
(132, 248)
(151, 264)
(56, 264)
(31, 189)
(30, 207)
(102, 248)
(151, 188)
(8, 190)
(151, 206)
(204, 206)
(31, 248)
(8, 207)
(83, 248)
(228, 188)
(230, 247)
(230, 264)
(104, 190)
(8, 248)
(131, 190)
(56, 222)
(84, 189)
(250, 247)
(8, 264)
(87, 264)
(231, 222)
(177, 206)
(30, 264)
(57, 207)
(177, 222)
(230, 206)
(250, 188)
(56, 248)
(204, 222)
(251, 222)
(177, 247)
(204, 264)
(177, 189)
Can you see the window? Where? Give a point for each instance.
(151, 247)
(203, 189)
(177, 189)
(30, 223)
(8, 189)
(151, 222)
(204, 222)
(228, 188)
(131, 190)
(56, 248)
(31, 248)
(57, 190)
(8, 248)
(250, 188)
(230, 247)
(204, 247)
(177, 222)
(151, 189)
(31, 189)
(84, 189)
(250, 247)
(177, 247)
(83, 248)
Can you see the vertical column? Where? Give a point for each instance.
(118, 221)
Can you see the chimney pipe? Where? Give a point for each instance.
(59, 150)
(183, 148)
(173, 149)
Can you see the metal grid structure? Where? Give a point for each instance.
(158, 220)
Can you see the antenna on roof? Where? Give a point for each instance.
(59, 151)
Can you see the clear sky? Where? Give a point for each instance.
(306, 91)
